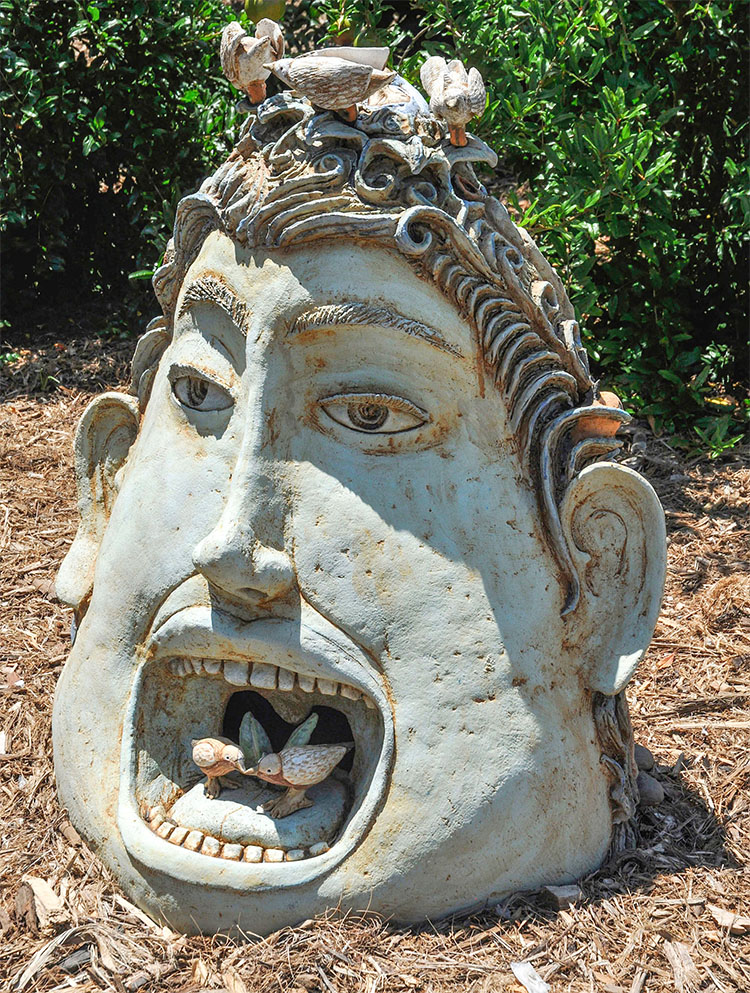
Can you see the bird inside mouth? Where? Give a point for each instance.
(184, 699)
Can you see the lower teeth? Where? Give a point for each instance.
(206, 844)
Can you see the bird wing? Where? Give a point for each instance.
(330, 83)
(379, 78)
(206, 751)
(230, 39)
(431, 74)
(309, 764)
(266, 28)
(375, 57)
(455, 73)
(477, 93)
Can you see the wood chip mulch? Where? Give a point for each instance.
(672, 915)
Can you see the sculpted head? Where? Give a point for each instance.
(362, 471)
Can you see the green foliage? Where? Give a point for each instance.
(112, 112)
(624, 126)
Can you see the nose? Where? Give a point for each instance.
(233, 559)
(244, 554)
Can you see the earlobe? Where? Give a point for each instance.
(614, 526)
(103, 439)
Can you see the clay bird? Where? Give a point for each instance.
(298, 768)
(243, 58)
(330, 82)
(216, 757)
(455, 95)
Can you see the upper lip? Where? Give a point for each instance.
(310, 645)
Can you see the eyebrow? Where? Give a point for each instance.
(214, 290)
(358, 314)
(355, 314)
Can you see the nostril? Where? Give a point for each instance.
(239, 564)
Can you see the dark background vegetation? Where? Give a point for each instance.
(621, 127)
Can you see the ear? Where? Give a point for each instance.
(614, 525)
(105, 433)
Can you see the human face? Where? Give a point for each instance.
(325, 503)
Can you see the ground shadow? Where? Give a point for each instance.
(41, 369)
(675, 836)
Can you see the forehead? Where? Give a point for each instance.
(260, 291)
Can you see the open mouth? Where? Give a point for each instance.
(204, 671)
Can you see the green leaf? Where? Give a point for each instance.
(302, 734)
(644, 30)
(254, 741)
(594, 198)
(672, 377)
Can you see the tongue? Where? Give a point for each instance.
(236, 815)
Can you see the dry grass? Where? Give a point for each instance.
(653, 921)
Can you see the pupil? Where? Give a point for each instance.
(197, 390)
(367, 416)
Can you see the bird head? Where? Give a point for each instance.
(280, 68)
(235, 756)
(270, 765)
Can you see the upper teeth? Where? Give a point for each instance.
(267, 677)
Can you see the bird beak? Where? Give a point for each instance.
(240, 765)
(252, 771)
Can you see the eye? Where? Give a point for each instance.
(199, 392)
(374, 413)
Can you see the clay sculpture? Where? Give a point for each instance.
(243, 57)
(363, 479)
(455, 95)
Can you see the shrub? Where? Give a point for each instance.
(619, 125)
(112, 112)
(623, 125)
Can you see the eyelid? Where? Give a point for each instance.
(401, 415)
(198, 355)
(387, 399)
(178, 369)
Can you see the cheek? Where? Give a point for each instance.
(172, 494)
(386, 566)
